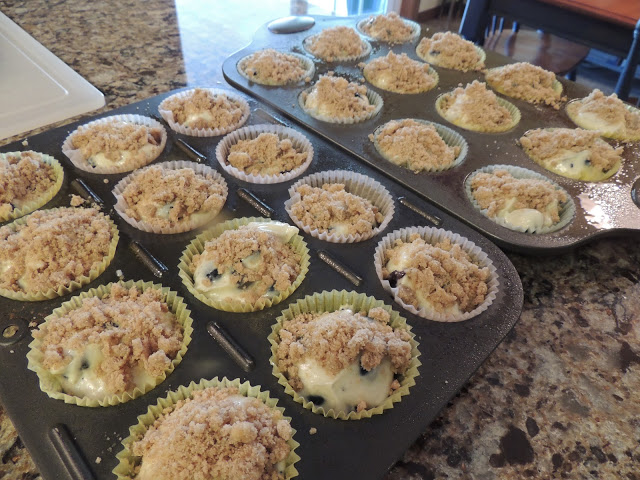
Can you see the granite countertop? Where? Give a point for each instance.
(555, 400)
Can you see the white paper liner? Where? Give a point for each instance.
(432, 73)
(556, 86)
(434, 235)
(121, 204)
(567, 211)
(571, 107)
(374, 99)
(479, 65)
(366, 50)
(77, 158)
(449, 136)
(515, 115)
(414, 35)
(307, 63)
(204, 132)
(300, 143)
(355, 183)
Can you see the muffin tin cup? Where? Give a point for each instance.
(51, 385)
(30, 206)
(125, 470)
(478, 66)
(121, 205)
(432, 73)
(567, 210)
(374, 99)
(449, 136)
(307, 64)
(414, 34)
(196, 247)
(329, 302)
(78, 159)
(572, 112)
(366, 50)
(204, 132)
(355, 183)
(556, 86)
(513, 110)
(77, 283)
(432, 235)
(300, 142)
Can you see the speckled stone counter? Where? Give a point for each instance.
(559, 398)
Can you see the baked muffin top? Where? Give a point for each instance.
(390, 28)
(266, 154)
(400, 74)
(527, 82)
(450, 50)
(337, 99)
(270, 67)
(202, 109)
(337, 43)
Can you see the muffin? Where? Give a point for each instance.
(115, 144)
(204, 112)
(170, 197)
(450, 50)
(389, 28)
(28, 180)
(522, 201)
(53, 252)
(215, 429)
(270, 67)
(245, 265)
(527, 82)
(572, 152)
(400, 74)
(609, 115)
(343, 354)
(111, 344)
(336, 100)
(419, 145)
(478, 109)
(337, 44)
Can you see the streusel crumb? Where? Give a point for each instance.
(450, 50)
(270, 67)
(24, 177)
(528, 82)
(203, 110)
(476, 107)
(399, 73)
(390, 28)
(266, 154)
(337, 43)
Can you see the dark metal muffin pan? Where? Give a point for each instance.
(602, 208)
(66, 441)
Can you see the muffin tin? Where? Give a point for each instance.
(603, 208)
(68, 441)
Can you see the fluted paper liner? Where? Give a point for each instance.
(432, 73)
(76, 283)
(374, 99)
(572, 106)
(197, 246)
(35, 204)
(329, 302)
(414, 35)
(125, 470)
(184, 226)
(449, 136)
(513, 110)
(307, 64)
(366, 50)
(251, 132)
(567, 210)
(557, 86)
(478, 66)
(51, 386)
(355, 183)
(204, 132)
(433, 235)
(77, 158)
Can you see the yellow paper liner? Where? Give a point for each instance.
(329, 302)
(573, 105)
(197, 247)
(29, 207)
(432, 73)
(51, 386)
(478, 66)
(557, 86)
(75, 284)
(128, 463)
(513, 110)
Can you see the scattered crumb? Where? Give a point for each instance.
(119, 274)
(105, 180)
(25, 142)
(76, 200)
(98, 460)
(33, 324)
(313, 431)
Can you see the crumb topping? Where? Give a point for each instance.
(164, 197)
(415, 145)
(528, 82)
(450, 50)
(266, 154)
(271, 67)
(494, 190)
(442, 273)
(333, 210)
(337, 43)
(215, 433)
(337, 339)
(336, 97)
(53, 248)
(399, 73)
(544, 144)
(134, 330)
(24, 177)
(76, 200)
(610, 111)
(202, 110)
(475, 106)
(390, 28)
